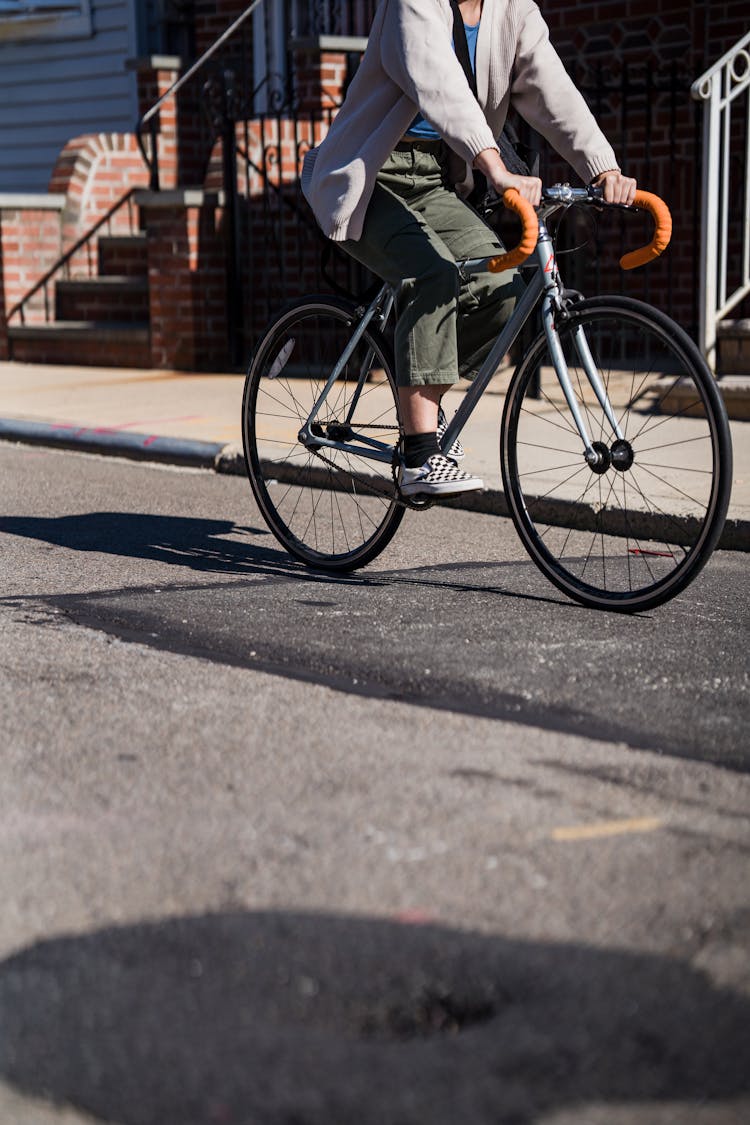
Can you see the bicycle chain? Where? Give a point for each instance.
(402, 501)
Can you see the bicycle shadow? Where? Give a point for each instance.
(285, 1017)
(203, 545)
(197, 543)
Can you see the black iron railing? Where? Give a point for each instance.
(330, 17)
(149, 121)
(272, 242)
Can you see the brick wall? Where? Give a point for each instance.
(319, 79)
(187, 276)
(30, 241)
(153, 82)
(587, 31)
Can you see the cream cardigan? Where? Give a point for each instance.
(410, 65)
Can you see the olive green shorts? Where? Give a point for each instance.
(415, 230)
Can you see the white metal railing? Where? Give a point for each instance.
(725, 90)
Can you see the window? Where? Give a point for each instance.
(44, 19)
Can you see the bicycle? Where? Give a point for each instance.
(615, 447)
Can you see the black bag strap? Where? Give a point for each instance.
(516, 157)
(461, 47)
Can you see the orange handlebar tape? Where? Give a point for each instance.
(514, 202)
(658, 209)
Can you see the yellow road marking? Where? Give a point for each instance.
(607, 828)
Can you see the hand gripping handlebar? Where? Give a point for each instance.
(659, 211)
(515, 202)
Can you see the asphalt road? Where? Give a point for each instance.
(428, 844)
(453, 615)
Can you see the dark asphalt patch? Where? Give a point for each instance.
(279, 1018)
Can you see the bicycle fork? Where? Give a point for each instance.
(552, 307)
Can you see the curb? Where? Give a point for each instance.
(229, 459)
(116, 443)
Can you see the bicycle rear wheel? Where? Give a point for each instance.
(332, 509)
(632, 532)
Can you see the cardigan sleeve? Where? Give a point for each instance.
(545, 95)
(416, 54)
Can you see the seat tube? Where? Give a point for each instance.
(358, 332)
(385, 312)
(545, 252)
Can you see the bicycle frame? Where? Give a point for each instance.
(615, 520)
(381, 305)
(545, 284)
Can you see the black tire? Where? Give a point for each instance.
(331, 509)
(633, 534)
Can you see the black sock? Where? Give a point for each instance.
(418, 447)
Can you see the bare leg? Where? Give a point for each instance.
(419, 407)
(424, 470)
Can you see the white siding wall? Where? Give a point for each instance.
(55, 89)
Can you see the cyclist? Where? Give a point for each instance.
(389, 178)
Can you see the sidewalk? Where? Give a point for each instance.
(194, 419)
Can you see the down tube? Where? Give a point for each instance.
(519, 316)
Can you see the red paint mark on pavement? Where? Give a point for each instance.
(413, 918)
(150, 422)
(157, 421)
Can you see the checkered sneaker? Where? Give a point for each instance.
(439, 476)
(456, 451)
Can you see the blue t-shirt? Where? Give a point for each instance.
(421, 128)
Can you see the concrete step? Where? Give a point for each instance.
(87, 342)
(110, 298)
(733, 347)
(123, 254)
(735, 390)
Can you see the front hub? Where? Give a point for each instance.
(603, 459)
(622, 455)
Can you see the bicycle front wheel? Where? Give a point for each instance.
(334, 509)
(635, 529)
